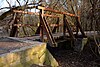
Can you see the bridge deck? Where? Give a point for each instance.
(57, 35)
(8, 43)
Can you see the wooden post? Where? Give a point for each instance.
(69, 30)
(14, 28)
(41, 27)
(77, 29)
(67, 26)
(64, 25)
(56, 27)
(79, 26)
(48, 32)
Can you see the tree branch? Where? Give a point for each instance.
(8, 3)
(18, 2)
(4, 8)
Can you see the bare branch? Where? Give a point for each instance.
(18, 2)
(5, 8)
(8, 3)
(26, 2)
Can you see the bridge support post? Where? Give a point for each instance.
(64, 25)
(41, 26)
(14, 28)
(78, 26)
(48, 32)
(41, 32)
(56, 27)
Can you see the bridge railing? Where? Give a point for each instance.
(44, 26)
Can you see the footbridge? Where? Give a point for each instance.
(47, 30)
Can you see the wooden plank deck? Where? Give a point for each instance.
(88, 34)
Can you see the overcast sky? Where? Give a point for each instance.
(3, 3)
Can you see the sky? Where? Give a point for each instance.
(3, 3)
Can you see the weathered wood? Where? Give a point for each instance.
(48, 32)
(56, 11)
(14, 28)
(22, 25)
(38, 30)
(56, 26)
(66, 25)
(77, 29)
(79, 26)
(52, 10)
(41, 26)
(52, 25)
(38, 7)
(35, 13)
(69, 30)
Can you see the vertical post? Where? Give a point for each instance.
(14, 28)
(67, 26)
(56, 27)
(41, 27)
(79, 26)
(77, 29)
(69, 29)
(64, 25)
(48, 33)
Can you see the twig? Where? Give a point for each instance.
(18, 2)
(5, 8)
(9, 4)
